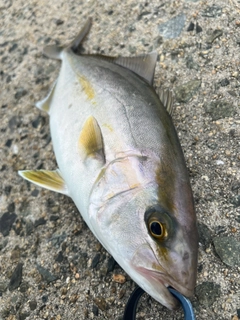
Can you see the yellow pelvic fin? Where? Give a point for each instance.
(51, 180)
(90, 140)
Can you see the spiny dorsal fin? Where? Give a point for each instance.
(44, 104)
(90, 140)
(51, 180)
(144, 65)
(54, 51)
(166, 98)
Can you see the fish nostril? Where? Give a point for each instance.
(184, 273)
(185, 255)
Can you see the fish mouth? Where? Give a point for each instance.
(160, 282)
(155, 279)
(170, 282)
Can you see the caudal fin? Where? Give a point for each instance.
(54, 51)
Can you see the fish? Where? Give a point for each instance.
(120, 160)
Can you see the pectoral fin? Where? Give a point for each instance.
(51, 180)
(45, 103)
(90, 141)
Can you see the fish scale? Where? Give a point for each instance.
(120, 160)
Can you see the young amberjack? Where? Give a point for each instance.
(120, 160)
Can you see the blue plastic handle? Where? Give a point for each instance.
(131, 307)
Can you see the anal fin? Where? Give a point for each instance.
(51, 180)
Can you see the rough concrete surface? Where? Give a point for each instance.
(51, 266)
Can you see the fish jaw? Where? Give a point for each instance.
(157, 287)
(155, 279)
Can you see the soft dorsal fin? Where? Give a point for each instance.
(51, 180)
(144, 65)
(54, 51)
(90, 140)
(166, 98)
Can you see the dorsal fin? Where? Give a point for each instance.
(90, 140)
(144, 65)
(166, 98)
(51, 180)
(54, 51)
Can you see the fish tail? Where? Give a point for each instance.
(54, 51)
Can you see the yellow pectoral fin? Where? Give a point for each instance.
(51, 180)
(90, 141)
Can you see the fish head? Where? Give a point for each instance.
(167, 257)
(149, 230)
(150, 244)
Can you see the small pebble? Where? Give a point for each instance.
(32, 304)
(95, 260)
(121, 293)
(101, 303)
(46, 274)
(191, 26)
(119, 278)
(73, 298)
(227, 152)
(77, 276)
(16, 277)
(6, 222)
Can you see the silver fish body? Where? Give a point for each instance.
(121, 162)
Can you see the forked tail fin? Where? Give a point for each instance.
(54, 51)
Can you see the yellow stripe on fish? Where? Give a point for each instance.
(86, 87)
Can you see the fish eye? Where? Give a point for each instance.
(159, 223)
(157, 229)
